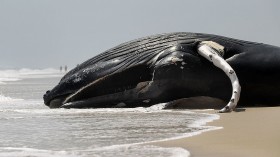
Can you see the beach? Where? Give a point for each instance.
(250, 132)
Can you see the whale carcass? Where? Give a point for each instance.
(168, 67)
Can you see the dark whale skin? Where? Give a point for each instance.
(166, 67)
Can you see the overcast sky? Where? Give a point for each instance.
(50, 33)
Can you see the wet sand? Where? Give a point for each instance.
(254, 132)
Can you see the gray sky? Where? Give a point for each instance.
(50, 33)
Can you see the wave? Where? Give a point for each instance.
(19, 74)
(195, 121)
(8, 99)
(123, 151)
(25, 152)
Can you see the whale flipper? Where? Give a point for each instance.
(213, 52)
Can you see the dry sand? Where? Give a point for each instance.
(254, 132)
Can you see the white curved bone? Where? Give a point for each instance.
(213, 52)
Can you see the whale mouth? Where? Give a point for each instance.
(55, 102)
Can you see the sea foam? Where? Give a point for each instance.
(145, 121)
(136, 151)
(27, 152)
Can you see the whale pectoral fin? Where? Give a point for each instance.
(213, 52)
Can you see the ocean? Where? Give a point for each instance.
(29, 128)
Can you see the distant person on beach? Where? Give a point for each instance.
(60, 68)
(65, 68)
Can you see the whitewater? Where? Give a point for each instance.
(29, 128)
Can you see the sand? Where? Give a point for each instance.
(254, 132)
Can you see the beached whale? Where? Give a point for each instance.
(168, 67)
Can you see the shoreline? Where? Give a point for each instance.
(253, 132)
